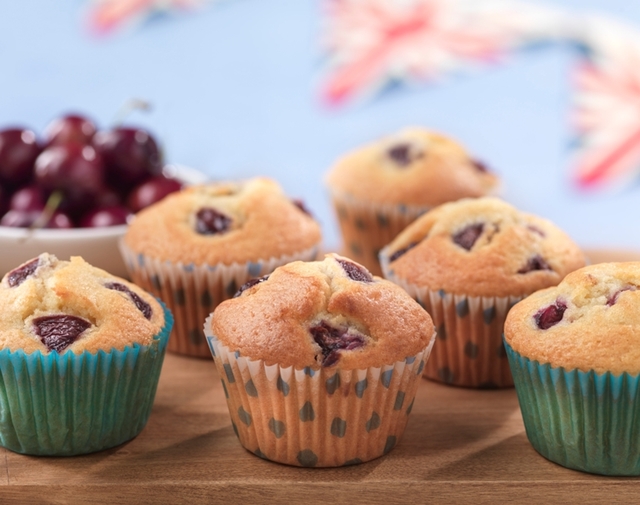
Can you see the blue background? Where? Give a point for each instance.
(235, 89)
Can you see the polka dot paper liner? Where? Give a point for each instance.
(367, 227)
(468, 351)
(192, 291)
(323, 417)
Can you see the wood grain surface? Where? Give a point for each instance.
(460, 446)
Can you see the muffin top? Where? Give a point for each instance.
(233, 222)
(482, 247)
(322, 314)
(413, 167)
(50, 305)
(590, 321)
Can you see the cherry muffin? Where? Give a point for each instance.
(381, 188)
(467, 263)
(80, 357)
(195, 248)
(574, 351)
(320, 362)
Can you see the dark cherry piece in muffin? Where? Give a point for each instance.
(50, 305)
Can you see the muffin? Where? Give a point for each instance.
(467, 263)
(574, 351)
(196, 247)
(320, 362)
(80, 357)
(381, 188)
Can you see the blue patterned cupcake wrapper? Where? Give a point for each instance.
(67, 404)
(468, 350)
(580, 420)
(317, 418)
(367, 227)
(193, 291)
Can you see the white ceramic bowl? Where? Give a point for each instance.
(98, 246)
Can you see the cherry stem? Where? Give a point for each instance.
(53, 202)
(128, 107)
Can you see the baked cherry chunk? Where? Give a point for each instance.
(20, 274)
(536, 230)
(209, 221)
(534, 263)
(59, 331)
(614, 298)
(466, 237)
(551, 315)
(333, 340)
(480, 166)
(140, 304)
(298, 202)
(401, 252)
(403, 154)
(355, 272)
(250, 284)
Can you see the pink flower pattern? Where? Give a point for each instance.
(374, 42)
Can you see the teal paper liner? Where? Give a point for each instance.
(581, 420)
(67, 404)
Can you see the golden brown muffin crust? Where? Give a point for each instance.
(265, 224)
(430, 169)
(599, 329)
(271, 321)
(75, 288)
(510, 242)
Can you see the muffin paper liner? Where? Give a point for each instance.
(67, 404)
(468, 350)
(317, 418)
(192, 291)
(368, 227)
(582, 420)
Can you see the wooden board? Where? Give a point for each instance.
(460, 446)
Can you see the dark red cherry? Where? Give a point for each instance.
(333, 340)
(614, 298)
(551, 315)
(27, 218)
(4, 200)
(480, 166)
(70, 128)
(24, 271)
(466, 237)
(534, 263)
(28, 198)
(151, 191)
(59, 331)
(140, 304)
(401, 252)
(300, 204)
(18, 151)
(403, 154)
(105, 216)
(250, 284)
(130, 154)
(75, 170)
(59, 221)
(19, 218)
(355, 272)
(107, 197)
(211, 222)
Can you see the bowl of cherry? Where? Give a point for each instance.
(72, 192)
